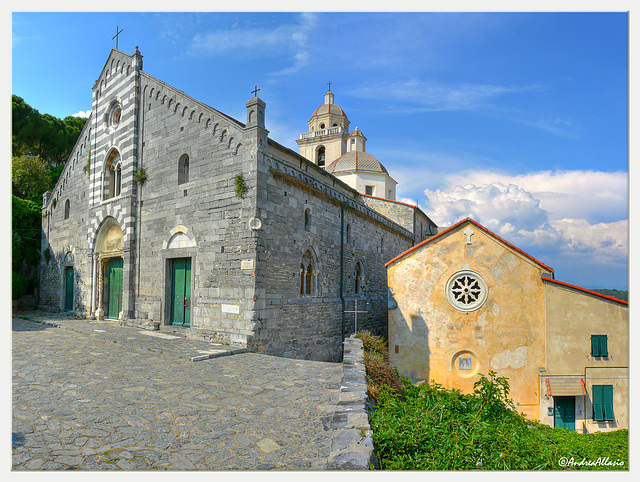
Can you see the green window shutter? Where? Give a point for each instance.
(607, 401)
(598, 411)
(595, 346)
(603, 346)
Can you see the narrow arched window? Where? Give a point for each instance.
(112, 176)
(308, 280)
(358, 278)
(67, 205)
(348, 233)
(307, 219)
(118, 180)
(320, 157)
(183, 169)
(308, 275)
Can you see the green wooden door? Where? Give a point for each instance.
(114, 288)
(181, 292)
(565, 415)
(68, 289)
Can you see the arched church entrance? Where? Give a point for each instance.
(109, 258)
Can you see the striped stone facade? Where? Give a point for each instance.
(245, 246)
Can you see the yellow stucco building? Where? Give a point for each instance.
(465, 302)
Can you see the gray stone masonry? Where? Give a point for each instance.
(352, 446)
(245, 249)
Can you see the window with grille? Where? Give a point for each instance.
(466, 290)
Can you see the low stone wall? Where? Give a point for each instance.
(352, 445)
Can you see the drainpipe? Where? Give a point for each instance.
(342, 273)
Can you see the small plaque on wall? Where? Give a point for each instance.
(246, 264)
(230, 308)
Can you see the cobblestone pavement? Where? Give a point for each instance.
(99, 403)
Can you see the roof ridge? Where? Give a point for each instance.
(580, 288)
(477, 224)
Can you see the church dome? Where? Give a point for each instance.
(328, 108)
(356, 161)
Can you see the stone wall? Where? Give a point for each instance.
(352, 445)
(311, 325)
(205, 209)
(408, 216)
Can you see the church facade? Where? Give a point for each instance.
(466, 302)
(172, 215)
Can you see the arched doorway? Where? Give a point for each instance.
(109, 258)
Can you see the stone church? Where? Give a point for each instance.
(171, 215)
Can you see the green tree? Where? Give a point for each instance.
(30, 178)
(26, 220)
(43, 135)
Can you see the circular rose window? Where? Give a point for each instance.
(466, 290)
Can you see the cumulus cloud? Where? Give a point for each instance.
(584, 194)
(84, 114)
(537, 213)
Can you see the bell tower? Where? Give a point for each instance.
(326, 139)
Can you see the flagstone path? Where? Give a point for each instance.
(87, 400)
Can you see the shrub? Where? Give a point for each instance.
(240, 186)
(376, 360)
(439, 429)
(140, 175)
(19, 285)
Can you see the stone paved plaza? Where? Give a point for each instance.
(92, 397)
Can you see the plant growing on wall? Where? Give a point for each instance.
(241, 186)
(87, 167)
(140, 175)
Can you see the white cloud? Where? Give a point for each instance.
(606, 241)
(84, 114)
(537, 213)
(592, 195)
(495, 203)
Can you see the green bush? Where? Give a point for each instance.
(428, 427)
(19, 285)
(376, 360)
(439, 429)
(26, 220)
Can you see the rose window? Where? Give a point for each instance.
(466, 290)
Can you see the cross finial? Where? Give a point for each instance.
(468, 233)
(116, 36)
(329, 84)
(255, 91)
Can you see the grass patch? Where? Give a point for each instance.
(428, 427)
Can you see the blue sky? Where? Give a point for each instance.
(517, 120)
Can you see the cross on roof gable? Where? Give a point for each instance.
(439, 236)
